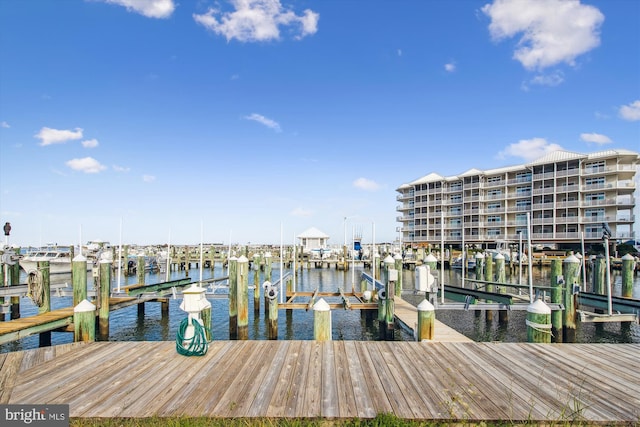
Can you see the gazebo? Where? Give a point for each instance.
(313, 239)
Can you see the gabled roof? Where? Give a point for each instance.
(312, 233)
(432, 177)
(471, 172)
(557, 156)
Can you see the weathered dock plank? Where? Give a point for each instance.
(514, 382)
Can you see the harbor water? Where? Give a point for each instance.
(127, 325)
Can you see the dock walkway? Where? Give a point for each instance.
(512, 382)
(407, 317)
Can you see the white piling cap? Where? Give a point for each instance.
(431, 258)
(194, 289)
(479, 255)
(628, 257)
(538, 307)
(79, 258)
(105, 261)
(499, 256)
(425, 305)
(572, 259)
(84, 307)
(397, 256)
(243, 259)
(321, 305)
(388, 260)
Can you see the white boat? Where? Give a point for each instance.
(59, 258)
(457, 263)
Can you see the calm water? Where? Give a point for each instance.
(126, 325)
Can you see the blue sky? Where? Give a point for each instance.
(254, 120)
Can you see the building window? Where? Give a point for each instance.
(594, 196)
(594, 181)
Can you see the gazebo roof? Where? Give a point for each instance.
(312, 233)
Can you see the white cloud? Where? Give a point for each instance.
(631, 112)
(265, 121)
(596, 138)
(366, 184)
(90, 143)
(257, 20)
(148, 178)
(48, 136)
(301, 212)
(450, 67)
(121, 168)
(5, 125)
(552, 31)
(86, 165)
(529, 149)
(148, 8)
(551, 79)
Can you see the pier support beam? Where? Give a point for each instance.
(242, 300)
(233, 298)
(44, 276)
(557, 283)
(321, 321)
(538, 322)
(79, 279)
(570, 267)
(84, 321)
(426, 320)
(627, 275)
(105, 293)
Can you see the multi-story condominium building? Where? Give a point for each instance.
(565, 197)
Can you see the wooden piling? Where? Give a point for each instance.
(501, 277)
(538, 322)
(242, 300)
(570, 268)
(79, 279)
(105, 292)
(426, 321)
(628, 264)
(233, 298)
(398, 266)
(272, 294)
(140, 268)
(84, 321)
(256, 288)
(488, 276)
(598, 275)
(321, 321)
(44, 275)
(14, 280)
(556, 298)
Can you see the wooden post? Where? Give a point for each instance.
(321, 321)
(488, 276)
(271, 294)
(598, 274)
(14, 277)
(501, 277)
(207, 318)
(479, 266)
(627, 275)
(44, 272)
(256, 286)
(105, 293)
(233, 298)
(398, 266)
(538, 322)
(556, 298)
(426, 320)
(140, 269)
(79, 279)
(390, 303)
(125, 259)
(242, 300)
(569, 271)
(84, 321)
(267, 266)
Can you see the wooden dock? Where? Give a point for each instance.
(60, 319)
(511, 382)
